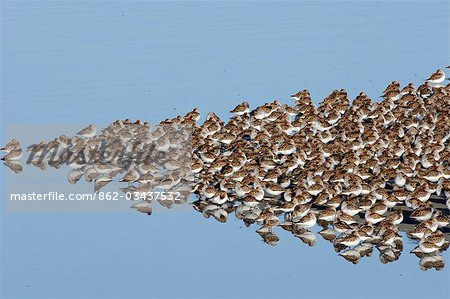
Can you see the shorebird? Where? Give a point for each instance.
(373, 217)
(422, 214)
(307, 221)
(14, 144)
(131, 176)
(437, 78)
(350, 240)
(13, 155)
(88, 132)
(241, 109)
(428, 247)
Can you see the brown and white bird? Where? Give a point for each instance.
(437, 78)
(241, 109)
(88, 132)
(12, 145)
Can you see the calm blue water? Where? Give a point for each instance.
(84, 62)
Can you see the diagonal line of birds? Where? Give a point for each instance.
(361, 171)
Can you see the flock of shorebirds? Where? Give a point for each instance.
(361, 170)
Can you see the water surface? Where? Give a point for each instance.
(84, 62)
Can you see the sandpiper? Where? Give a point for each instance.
(131, 176)
(437, 78)
(88, 132)
(13, 155)
(14, 144)
(350, 240)
(241, 109)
